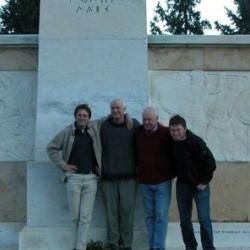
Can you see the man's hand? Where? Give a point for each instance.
(70, 168)
(201, 186)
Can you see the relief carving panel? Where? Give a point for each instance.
(216, 106)
(17, 115)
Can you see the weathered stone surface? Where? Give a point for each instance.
(196, 53)
(18, 59)
(175, 58)
(83, 57)
(93, 61)
(84, 71)
(229, 194)
(9, 247)
(9, 235)
(227, 59)
(12, 192)
(48, 198)
(78, 19)
(226, 236)
(199, 41)
(215, 104)
(181, 57)
(17, 112)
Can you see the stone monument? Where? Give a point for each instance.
(90, 51)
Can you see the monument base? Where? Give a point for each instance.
(9, 235)
(234, 236)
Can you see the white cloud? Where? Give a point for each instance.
(212, 10)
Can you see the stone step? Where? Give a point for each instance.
(227, 236)
(9, 235)
(11, 247)
(217, 248)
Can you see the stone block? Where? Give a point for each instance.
(215, 105)
(18, 114)
(233, 59)
(47, 198)
(161, 58)
(18, 59)
(88, 20)
(229, 194)
(83, 72)
(12, 192)
(9, 235)
(226, 236)
(200, 57)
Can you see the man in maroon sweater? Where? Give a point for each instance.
(155, 174)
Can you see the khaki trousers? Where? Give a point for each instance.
(81, 190)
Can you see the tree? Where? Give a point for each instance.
(240, 21)
(179, 17)
(20, 17)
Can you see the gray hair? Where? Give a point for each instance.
(118, 100)
(150, 110)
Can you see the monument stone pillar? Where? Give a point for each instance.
(90, 51)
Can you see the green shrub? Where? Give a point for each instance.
(96, 245)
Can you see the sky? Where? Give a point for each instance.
(212, 10)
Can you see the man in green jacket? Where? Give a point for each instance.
(76, 150)
(119, 175)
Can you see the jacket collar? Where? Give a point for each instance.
(128, 121)
(73, 127)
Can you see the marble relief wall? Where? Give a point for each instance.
(215, 104)
(18, 113)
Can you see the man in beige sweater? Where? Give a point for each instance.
(77, 151)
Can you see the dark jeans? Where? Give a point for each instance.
(185, 195)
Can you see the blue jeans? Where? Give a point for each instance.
(156, 202)
(185, 195)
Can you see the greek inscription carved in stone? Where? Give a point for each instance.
(96, 6)
(92, 6)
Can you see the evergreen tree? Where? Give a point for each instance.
(179, 17)
(20, 17)
(240, 21)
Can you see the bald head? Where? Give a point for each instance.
(149, 118)
(150, 111)
(119, 102)
(117, 110)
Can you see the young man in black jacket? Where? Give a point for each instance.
(195, 165)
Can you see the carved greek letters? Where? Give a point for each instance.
(92, 6)
(95, 6)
